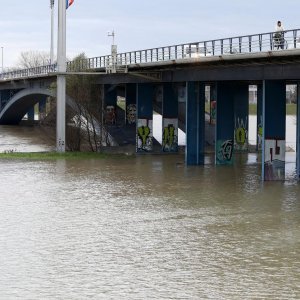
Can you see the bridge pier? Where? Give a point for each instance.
(224, 147)
(110, 105)
(42, 108)
(144, 129)
(195, 123)
(170, 118)
(30, 114)
(274, 117)
(130, 103)
(241, 117)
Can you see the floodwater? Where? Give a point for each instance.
(145, 227)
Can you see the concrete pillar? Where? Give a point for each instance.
(170, 118)
(30, 114)
(144, 131)
(195, 123)
(110, 105)
(241, 116)
(274, 115)
(213, 104)
(225, 123)
(130, 103)
(42, 108)
(259, 122)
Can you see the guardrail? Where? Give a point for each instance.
(263, 42)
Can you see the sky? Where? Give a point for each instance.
(138, 24)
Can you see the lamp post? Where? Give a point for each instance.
(61, 79)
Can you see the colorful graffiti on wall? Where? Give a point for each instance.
(259, 134)
(144, 135)
(241, 134)
(170, 135)
(274, 160)
(224, 153)
(131, 113)
(110, 115)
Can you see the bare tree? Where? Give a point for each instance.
(32, 59)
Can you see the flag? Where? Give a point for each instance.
(69, 3)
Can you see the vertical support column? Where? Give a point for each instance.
(241, 116)
(298, 132)
(259, 120)
(170, 118)
(225, 123)
(30, 114)
(130, 103)
(195, 123)
(274, 115)
(144, 131)
(42, 108)
(110, 105)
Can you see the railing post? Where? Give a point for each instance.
(260, 42)
(230, 45)
(169, 53)
(240, 44)
(222, 47)
(250, 43)
(213, 47)
(205, 50)
(271, 41)
(295, 38)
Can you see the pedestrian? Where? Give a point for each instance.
(279, 35)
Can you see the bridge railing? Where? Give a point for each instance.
(256, 43)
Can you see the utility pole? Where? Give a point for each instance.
(61, 79)
(114, 52)
(52, 33)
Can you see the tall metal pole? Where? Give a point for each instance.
(52, 33)
(61, 80)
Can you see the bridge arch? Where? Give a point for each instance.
(20, 103)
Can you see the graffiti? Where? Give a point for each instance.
(224, 152)
(213, 112)
(259, 134)
(274, 160)
(131, 114)
(241, 134)
(169, 138)
(110, 115)
(144, 135)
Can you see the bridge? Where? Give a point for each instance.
(173, 79)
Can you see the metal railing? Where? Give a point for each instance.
(256, 43)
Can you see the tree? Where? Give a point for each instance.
(32, 59)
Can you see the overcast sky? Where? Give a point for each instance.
(139, 24)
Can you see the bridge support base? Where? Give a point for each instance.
(274, 115)
(144, 127)
(130, 104)
(195, 123)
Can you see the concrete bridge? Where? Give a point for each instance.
(173, 80)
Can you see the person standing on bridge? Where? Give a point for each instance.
(279, 35)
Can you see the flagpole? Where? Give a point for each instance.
(61, 79)
(52, 33)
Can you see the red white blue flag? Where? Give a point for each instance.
(69, 3)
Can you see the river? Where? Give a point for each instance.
(144, 227)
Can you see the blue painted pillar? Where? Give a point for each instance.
(298, 132)
(110, 105)
(130, 103)
(170, 118)
(259, 122)
(274, 115)
(42, 108)
(241, 114)
(225, 123)
(144, 130)
(195, 123)
(30, 114)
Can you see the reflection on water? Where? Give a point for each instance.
(147, 227)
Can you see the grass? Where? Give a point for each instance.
(56, 155)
